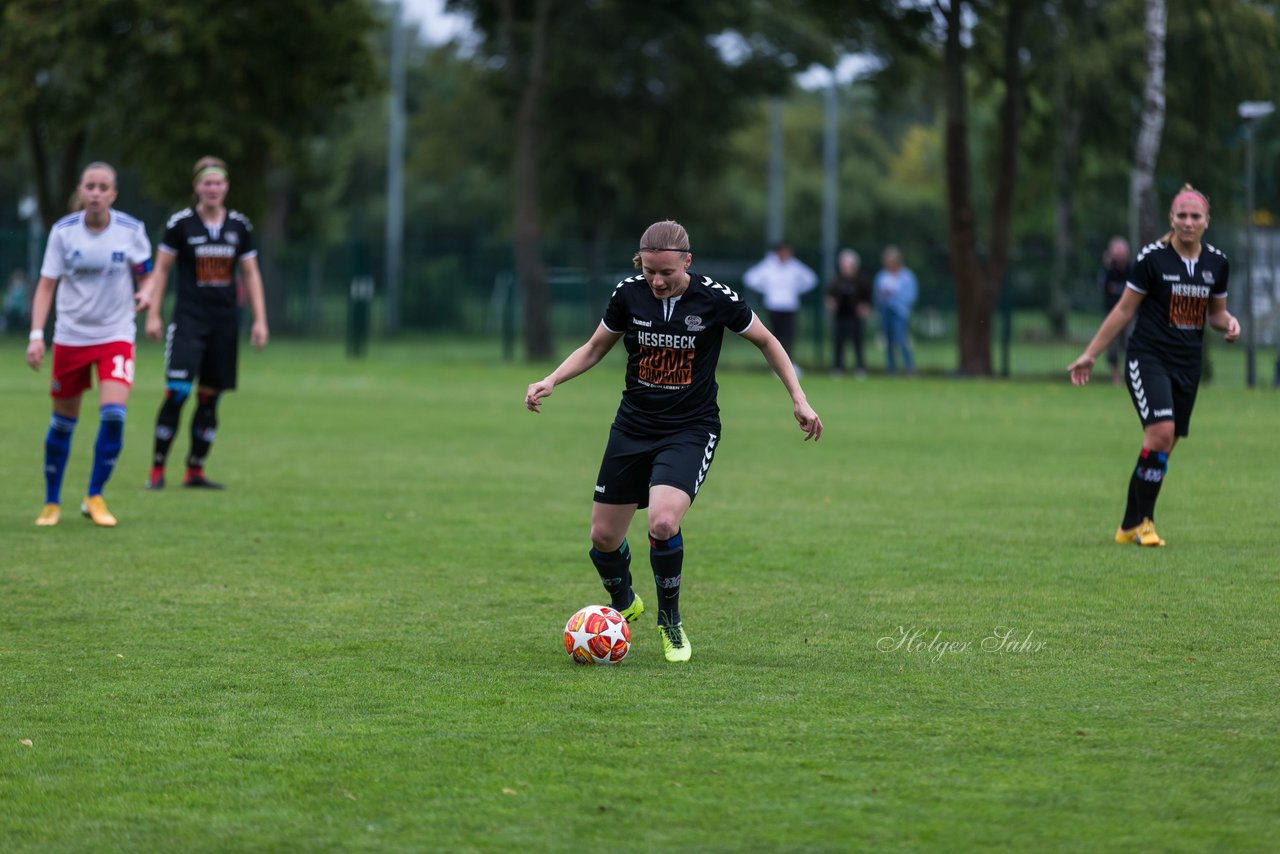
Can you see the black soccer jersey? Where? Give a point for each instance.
(673, 346)
(1176, 295)
(207, 259)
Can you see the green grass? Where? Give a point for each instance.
(357, 647)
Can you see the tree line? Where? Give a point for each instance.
(979, 127)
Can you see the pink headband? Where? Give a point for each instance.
(1190, 194)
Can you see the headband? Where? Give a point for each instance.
(662, 249)
(1190, 194)
(211, 170)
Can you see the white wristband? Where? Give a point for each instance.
(36, 335)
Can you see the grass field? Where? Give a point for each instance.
(915, 635)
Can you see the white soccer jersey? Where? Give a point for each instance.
(95, 278)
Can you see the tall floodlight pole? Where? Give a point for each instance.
(830, 186)
(773, 228)
(1250, 111)
(29, 209)
(829, 189)
(395, 171)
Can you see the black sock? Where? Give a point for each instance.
(615, 573)
(1132, 518)
(204, 426)
(1148, 475)
(167, 424)
(667, 559)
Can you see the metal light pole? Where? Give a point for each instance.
(830, 192)
(1250, 111)
(831, 181)
(395, 171)
(773, 225)
(29, 209)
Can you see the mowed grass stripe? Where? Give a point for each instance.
(356, 647)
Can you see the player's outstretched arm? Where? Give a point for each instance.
(1112, 325)
(578, 362)
(774, 353)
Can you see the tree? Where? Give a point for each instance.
(525, 45)
(517, 39)
(161, 84)
(1221, 54)
(1069, 23)
(1142, 204)
(58, 85)
(663, 104)
(978, 279)
(631, 122)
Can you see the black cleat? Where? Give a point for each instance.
(199, 481)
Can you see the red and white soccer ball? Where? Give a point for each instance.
(597, 634)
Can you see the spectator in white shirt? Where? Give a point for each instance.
(782, 278)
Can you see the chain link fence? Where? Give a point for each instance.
(466, 289)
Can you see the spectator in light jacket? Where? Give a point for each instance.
(895, 294)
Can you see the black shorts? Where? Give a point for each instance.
(203, 349)
(632, 464)
(1160, 392)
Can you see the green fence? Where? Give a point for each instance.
(461, 286)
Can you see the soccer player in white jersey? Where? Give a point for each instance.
(92, 261)
(672, 322)
(1177, 285)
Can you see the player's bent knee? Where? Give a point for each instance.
(663, 527)
(606, 541)
(607, 537)
(177, 391)
(1160, 436)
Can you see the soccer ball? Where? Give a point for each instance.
(597, 634)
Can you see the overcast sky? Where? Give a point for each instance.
(437, 25)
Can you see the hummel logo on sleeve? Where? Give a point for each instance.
(719, 287)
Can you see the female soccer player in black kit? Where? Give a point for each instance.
(210, 243)
(1178, 284)
(663, 438)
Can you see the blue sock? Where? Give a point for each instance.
(110, 441)
(57, 447)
